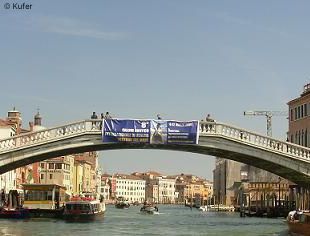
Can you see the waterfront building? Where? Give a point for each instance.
(225, 174)
(112, 183)
(105, 187)
(260, 195)
(58, 171)
(23, 174)
(166, 189)
(299, 133)
(299, 118)
(159, 188)
(98, 181)
(151, 192)
(8, 179)
(82, 176)
(130, 187)
(92, 183)
(191, 189)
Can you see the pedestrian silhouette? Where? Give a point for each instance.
(94, 115)
(107, 115)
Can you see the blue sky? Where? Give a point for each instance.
(182, 59)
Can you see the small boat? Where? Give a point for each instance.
(14, 208)
(14, 213)
(149, 209)
(203, 208)
(299, 222)
(84, 209)
(121, 203)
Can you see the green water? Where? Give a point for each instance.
(172, 220)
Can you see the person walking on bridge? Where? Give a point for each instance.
(107, 115)
(209, 119)
(94, 117)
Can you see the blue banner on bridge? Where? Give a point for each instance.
(150, 131)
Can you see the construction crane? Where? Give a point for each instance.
(268, 115)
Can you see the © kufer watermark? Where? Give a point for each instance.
(17, 6)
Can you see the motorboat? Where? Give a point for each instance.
(149, 209)
(299, 222)
(122, 203)
(203, 208)
(84, 209)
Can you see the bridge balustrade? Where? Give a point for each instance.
(206, 129)
(244, 136)
(48, 135)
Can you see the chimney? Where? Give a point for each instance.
(31, 126)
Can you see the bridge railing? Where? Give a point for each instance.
(206, 128)
(52, 134)
(286, 148)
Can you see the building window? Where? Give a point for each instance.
(302, 111)
(51, 166)
(42, 165)
(305, 110)
(298, 115)
(51, 176)
(295, 113)
(42, 176)
(58, 166)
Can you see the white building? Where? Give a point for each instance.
(130, 187)
(8, 179)
(105, 187)
(159, 188)
(166, 189)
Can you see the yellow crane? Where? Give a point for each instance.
(268, 115)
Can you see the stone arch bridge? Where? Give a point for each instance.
(287, 160)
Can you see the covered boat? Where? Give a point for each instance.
(84, 209)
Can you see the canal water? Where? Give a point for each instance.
(172, 220)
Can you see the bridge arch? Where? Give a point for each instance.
(287, 160)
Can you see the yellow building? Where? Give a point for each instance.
(57, 171)
(191, 189)
(82, 177)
